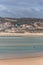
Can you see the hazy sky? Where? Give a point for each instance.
(21, 8)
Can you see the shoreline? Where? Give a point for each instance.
(20, 34)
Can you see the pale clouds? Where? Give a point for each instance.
(2, 7)
(21, 8)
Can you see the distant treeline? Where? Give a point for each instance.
(21, 20)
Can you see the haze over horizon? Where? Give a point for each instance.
(21, 8)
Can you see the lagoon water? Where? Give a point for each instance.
(15, 47)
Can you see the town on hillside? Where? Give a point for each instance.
(21, 25)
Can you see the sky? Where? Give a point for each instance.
(21, 8)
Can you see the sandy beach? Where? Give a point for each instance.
(20, 34)
(23, 61)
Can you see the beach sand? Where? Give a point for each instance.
(20, 34)
(23, 61)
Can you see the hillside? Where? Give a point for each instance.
(21, 25)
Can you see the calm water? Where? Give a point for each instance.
(13, 47)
